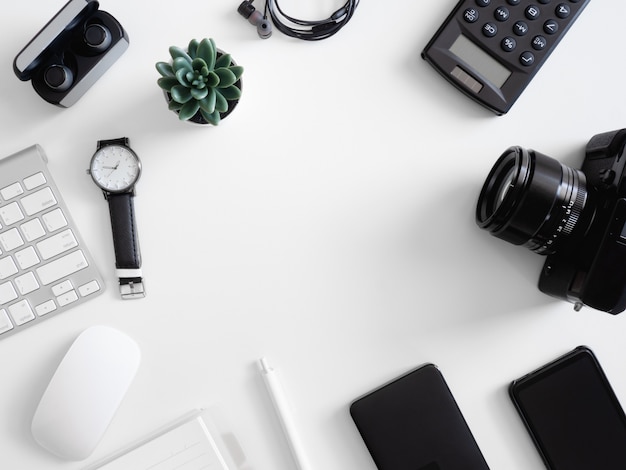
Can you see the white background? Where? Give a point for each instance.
(327, 224)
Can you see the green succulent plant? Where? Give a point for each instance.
(200, 79)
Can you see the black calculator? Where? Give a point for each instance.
(491, 49)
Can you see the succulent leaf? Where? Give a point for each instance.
(199, 93)
(231, 93)
(213, 118)
(167, 82)
(227, 78)
(213, 79)
(174, 106)
(188, 110)
(208, 52)
(182, 77)
(237, 70)
(192, 49)
(223, 61)
(181, 94)
(165, 69)
(221, 105)
(176, 52)
(207, 104)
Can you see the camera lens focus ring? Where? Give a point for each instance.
(533, 200)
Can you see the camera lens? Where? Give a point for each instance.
(533, 200)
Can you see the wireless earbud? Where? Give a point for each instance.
(97, 37)
(59, 77)
(263, 25)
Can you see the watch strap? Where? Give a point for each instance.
(126, 244)
(121, 141)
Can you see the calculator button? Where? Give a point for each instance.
(544, 2)
(539, 43)
(513, 2)
(532, 12)
(562, 10)
(471, 15)
(551, 27)
(490, 30)
(501, 14)
(483, 3)
(527, 58)
(520, 28)
(508, 44)
(462, 77)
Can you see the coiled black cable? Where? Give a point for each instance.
(306, 29)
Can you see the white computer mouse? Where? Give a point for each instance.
(85, 392)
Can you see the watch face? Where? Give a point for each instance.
(115, 168)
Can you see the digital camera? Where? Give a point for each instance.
(575, 217)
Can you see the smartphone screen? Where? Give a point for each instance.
(572, 413)
(414, 423)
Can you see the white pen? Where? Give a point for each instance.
(284, 416)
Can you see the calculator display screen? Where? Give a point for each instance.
(480, 61)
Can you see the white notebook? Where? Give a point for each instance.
(186, 444)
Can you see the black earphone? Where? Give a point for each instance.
(258, 19)
(300, 29)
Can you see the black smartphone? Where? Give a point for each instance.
(572, 413)
(414, 423)
(492, 50)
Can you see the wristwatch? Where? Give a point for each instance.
(115, 168)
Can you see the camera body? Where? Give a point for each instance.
(71, 52)
(592, 271)
(575, 217)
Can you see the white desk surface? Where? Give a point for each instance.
(327, 224)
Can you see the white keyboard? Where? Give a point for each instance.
(45, 267)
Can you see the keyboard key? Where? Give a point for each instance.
(7, 267)
(27, 258)
(11, 239)
(45, 308)
(21, 312)
(32, 230)
(11, 191)
(11, 213)
(62, 267)
(5, 322)
(26, 283)
(7, 293)
(62, 288)
(35, 180)
(57, 244)
(54, 220)
(89, 288)
(39, 201)
(67, 298)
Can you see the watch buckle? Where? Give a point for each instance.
(132, 290)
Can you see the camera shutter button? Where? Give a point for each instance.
(58, 77)
(97, 37)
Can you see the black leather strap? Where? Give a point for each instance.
(125, 240)
(121, 141)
